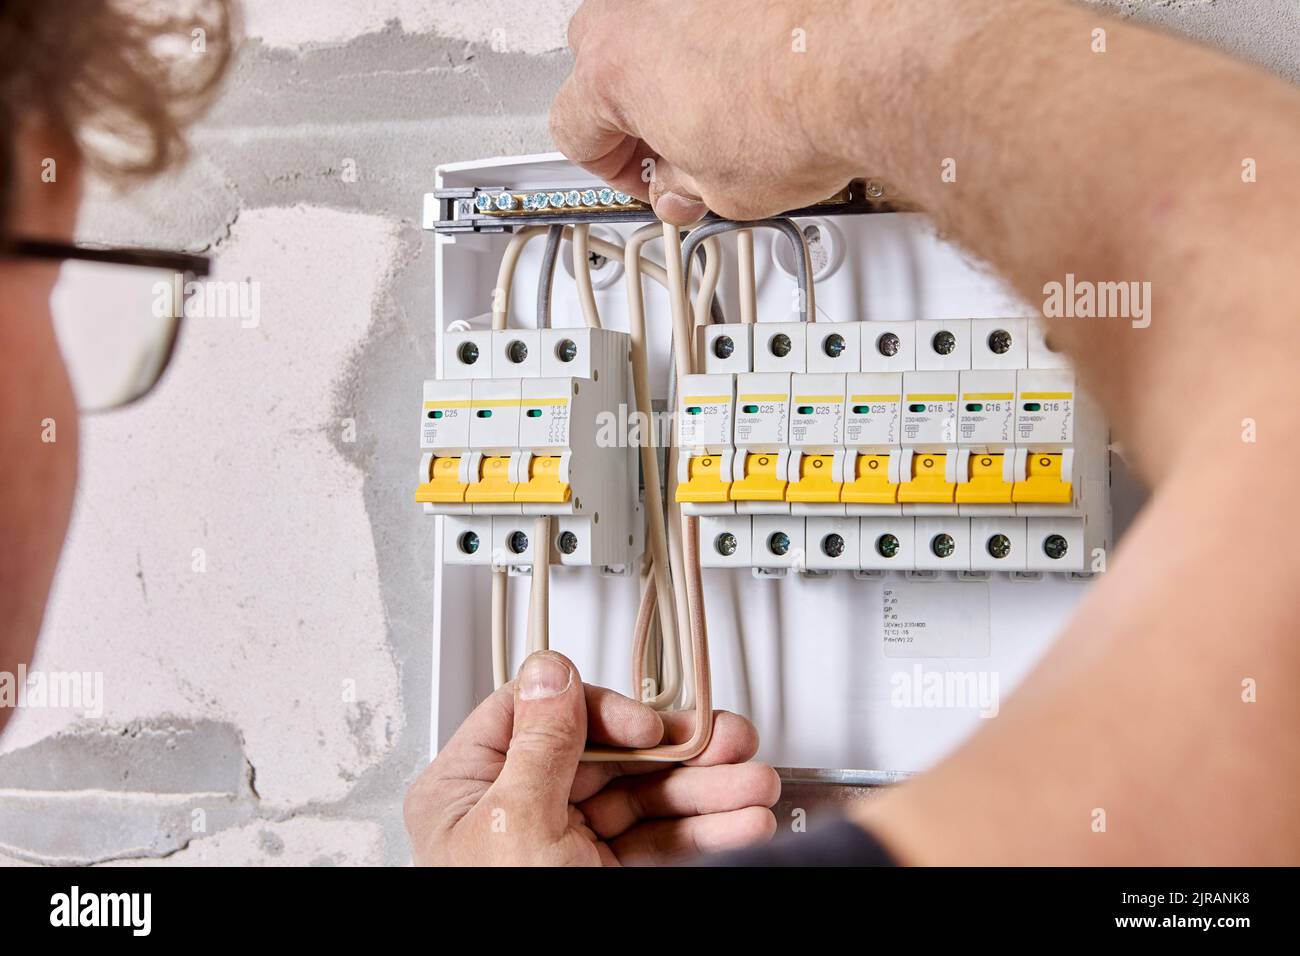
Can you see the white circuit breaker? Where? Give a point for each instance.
(523, 423)
(954, 452)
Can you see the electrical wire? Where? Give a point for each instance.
(706, 297)
(500, 638)
(506, 274)
(546, 275)
(500, 315)
(798, 242)
(748, 285)
(690, 579)
(656, 524)
(582, 275)
(500, 576)
(539, 595)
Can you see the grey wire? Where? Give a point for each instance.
(716, 315)
(784, 226)
(546, 277)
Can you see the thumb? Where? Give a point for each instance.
(675, 195)
(550, 732)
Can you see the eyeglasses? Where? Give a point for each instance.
(117, 327)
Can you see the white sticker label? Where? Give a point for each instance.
(936, 619)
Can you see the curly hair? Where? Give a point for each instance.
(123, 79)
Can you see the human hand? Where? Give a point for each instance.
(508, 788)
(711, 103)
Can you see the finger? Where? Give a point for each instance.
(620, 721)
(675, 195)
(583, 133)
(581, 22)
(550, 731)
(602, 144)
(478, 747)
(682, 792)
(671, 841)
(734, 740)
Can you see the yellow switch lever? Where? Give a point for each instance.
(986, 486)
(760, 482)
(495, 486)
(929, 484)
(543, 485)
(704, 484)
(444, 485)
(816, 484)
(871, 484)
(1044, 483)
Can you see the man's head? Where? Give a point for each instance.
(102, 86)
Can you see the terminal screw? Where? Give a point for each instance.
(1000, 342)
(999, 546)
(942, 545)
(469, 542)
(724, 346)
(780, 345)
(779, 543)
(944, 342)
(888, 344)
(833, 345)
(518, 542)
(887, 546)
(832, 546)
(725, 544)
(1055, 546)
(568, 542)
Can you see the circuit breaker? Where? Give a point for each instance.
(520, 425)
(923, 446)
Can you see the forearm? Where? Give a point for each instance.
(1116, 166)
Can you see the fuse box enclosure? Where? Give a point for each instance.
(817, 609)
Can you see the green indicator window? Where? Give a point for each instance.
(861, 409)
(435, 414)
(1033, 407)
(916, 408)
(484, 413)
(693, 410)
(534, 413)
(805, 409)
(750, 409)
(974, 407)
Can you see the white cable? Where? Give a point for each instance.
(658, 539)
(539, 595)
(748, 285)
(582, 275)
(500, 637)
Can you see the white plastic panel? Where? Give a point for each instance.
(805, 656)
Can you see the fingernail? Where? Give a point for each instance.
(676, 208)
(543, 677)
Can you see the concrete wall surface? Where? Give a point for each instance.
(246, 568)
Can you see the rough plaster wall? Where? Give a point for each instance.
(281, 696)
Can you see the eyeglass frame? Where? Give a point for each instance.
(181, 262)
